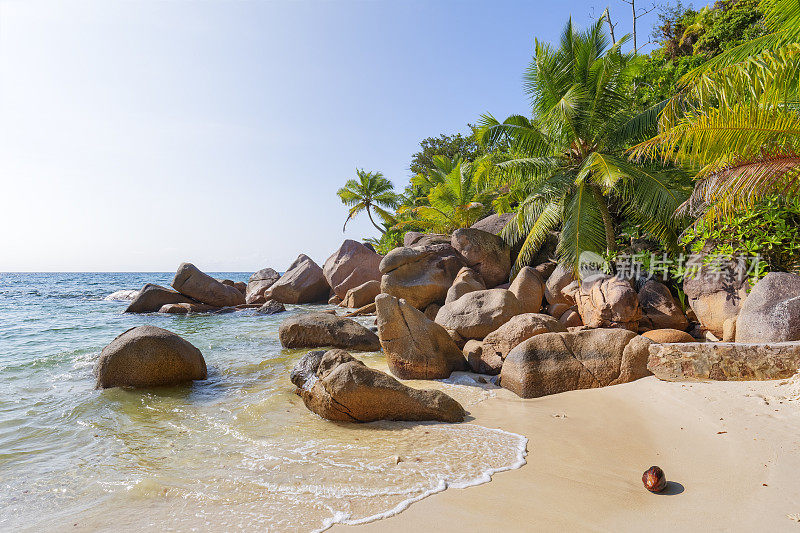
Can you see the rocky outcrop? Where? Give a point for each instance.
(184, 308)
(415, 347)
(486, 253)
(528, 287)
(571, 318)
(771, 312)
(317, 330)
(608, 302)
(668, 335)
(478, 313)
(339, 387)
(499, 343)
(271, 307)
(421, 275)
(258, 284)
(352, 265)
(302, 283)
(191, 282)
(659, 308)
(716, 293)
(493, 223)
(556, 282)
(466, 281)
(724, 361)
(362, 295)
(415, 238)
(147, 356)
(153, 297)
(557, 362)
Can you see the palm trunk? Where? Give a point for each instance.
(608, 223)
(369, 214)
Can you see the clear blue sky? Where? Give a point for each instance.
(136, 135)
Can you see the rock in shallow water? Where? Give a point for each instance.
(152, 297)
(317, 330)
(258, 284)
(339, 387)
(302, 283)
(352, 265)
(190, 281)
(271, 307)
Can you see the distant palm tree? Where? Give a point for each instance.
(371, 191)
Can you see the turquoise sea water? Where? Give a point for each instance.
(236, 451)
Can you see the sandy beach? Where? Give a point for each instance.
(730, 450)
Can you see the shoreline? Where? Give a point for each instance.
(730, 450)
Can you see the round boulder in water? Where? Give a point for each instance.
(147, 356)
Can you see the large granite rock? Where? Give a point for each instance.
(499, 343)
(466, 281)
(415, 238)
(659, 308)
(258, 284)
(302, 283)
(493, 223)
(771, 312)
(668, 335)
(147, 356)
(271, 307)
(317, 330)
(190, 281)
(724, 361)
(478, 313)
(716, 293)
(421, 275)
(608, 302)
(184, 308)
(415, 346)
(554, 287)
(339, 387)
(153, 297)
(557, 362)
(484, 252)
(528, 287)
(362, 295)
(352, 265)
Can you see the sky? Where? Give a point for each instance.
(135, 135)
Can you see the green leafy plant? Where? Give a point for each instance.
(371, 191)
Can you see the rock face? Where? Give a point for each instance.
(608, 302)
(466, 281)
(421, 275)
(556, 282)
(339, 387)
(352, 265)
(724, 361)
(499, 343)
(557, 362)
(493, 223)
(190, 281)
(668, 335)
(153, 297)
(147, 356)
(362, 295)
(184, 308)
(716, 294)
(484, 252)
(771, 312)
(415, 238)
(316, 330)
(271, 307)
(528, 287)
(415, 346)
(302, 283)
(258, 284)
(478, 313)
(659, 309)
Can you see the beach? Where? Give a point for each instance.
(730, 450)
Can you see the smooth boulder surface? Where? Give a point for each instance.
(184, 308)
(724, 361)
(485, 252)
(466, 281)
(478, 313)
(415, 346)
(258, 284)
(421, 275)
(147, 356)
(416, 238)
(771, 312)
(662, 336)
(317, 330)
(271, 307)
(153, 297)
(499, 343)
(528, 287)
(190, 281)
(608, 302)
(352, 265)
(659, 308)
(555, 284)
(338, 387)
(558, 362)
(362, 295)
(716, 293)
(302, 283)
(494, 223)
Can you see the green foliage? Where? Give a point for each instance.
(371, 191)
(449, 146)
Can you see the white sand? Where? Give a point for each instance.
(731, 449)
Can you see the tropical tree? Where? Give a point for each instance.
(371, 191)
(566, 166)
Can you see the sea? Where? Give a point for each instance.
(237, 451)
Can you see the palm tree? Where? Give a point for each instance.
(567, 165)
(371, 191)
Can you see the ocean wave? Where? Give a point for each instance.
(126, 294)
